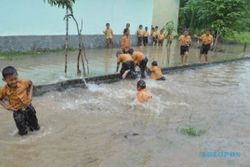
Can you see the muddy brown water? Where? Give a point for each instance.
(103, 126)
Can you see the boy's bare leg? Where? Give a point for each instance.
(124, 75)
(206, 58)
(107, 43)
(182, 60)
(185, 58)
(111, 42)
(200, 58)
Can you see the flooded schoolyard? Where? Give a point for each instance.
(48, 67)
(103, 126)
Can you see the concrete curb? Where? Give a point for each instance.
(76, 83)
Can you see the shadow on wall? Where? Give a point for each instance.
(28, 43)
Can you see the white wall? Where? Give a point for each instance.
(164, 11)
(34, 17)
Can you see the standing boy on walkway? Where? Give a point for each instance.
(185, 42)
(206, 40)
(109, 36)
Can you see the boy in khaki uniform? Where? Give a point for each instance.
(139, 60)
(128, 65)
(206, 40)
(19, 95)
(109, 35)
(155, 71)
(145, 36)
(139, 35)
(125, 41)
(185, 42)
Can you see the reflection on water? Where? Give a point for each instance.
(49, 67)
(103, 127)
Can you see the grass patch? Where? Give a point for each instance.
(32, 52)
(193, 132)
(242, 37)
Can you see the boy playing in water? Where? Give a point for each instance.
(143, 95)
(155, 71)
(128, 65)
(19, 95)
(140, 60)
(109, 35)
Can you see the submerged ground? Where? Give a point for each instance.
(103, 127)
(48, 67)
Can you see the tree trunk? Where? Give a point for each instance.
(245, 47)
(216, 41)
(66, 41)
(191, 21)
(84, 52)
(79, 43)
(80, 49)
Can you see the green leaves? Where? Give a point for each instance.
(224, 16)
(193, 132)
(61, 3)
(242, 37)
(169, 28)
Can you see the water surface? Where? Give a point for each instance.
(49, 67)
(103, 127)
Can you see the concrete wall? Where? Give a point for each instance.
(165, 11)
(27, 43)
(33, 24)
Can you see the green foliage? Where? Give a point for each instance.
(188, 17)
(192, 131)
(242, 37)
(61, 3)
(169, 28)
(222, 16)
(32, 52)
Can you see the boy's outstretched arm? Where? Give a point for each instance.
(30, 90)
(6, 106)
(2, 103)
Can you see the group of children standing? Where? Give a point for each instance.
(185, 42)
(143, 35)
(158, 38)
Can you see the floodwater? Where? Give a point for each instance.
(49, 67)
(102, 126)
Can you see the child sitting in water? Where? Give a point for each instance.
(155, 71)
(19, 95)
(143, 95)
